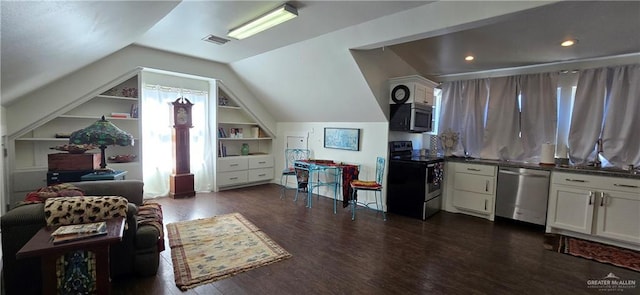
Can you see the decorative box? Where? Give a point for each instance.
(73, 162)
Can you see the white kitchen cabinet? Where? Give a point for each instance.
(474, 189)
(600, 208)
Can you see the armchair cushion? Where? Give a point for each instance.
(74, 210)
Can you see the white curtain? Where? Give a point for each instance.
(621, 130)
(463, 111)
(157, 163)
(539, 113)
(502, 135)
(588, 115)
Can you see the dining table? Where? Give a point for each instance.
(333, 175)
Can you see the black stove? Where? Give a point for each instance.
(403, 151)
(413, 182)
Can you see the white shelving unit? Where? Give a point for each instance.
(29, 150)
(234, 169)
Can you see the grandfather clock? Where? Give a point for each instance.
(181, 180)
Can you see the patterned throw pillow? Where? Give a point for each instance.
(75, 210)
(53, 191)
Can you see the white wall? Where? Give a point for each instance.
(38, 105)
(3, 133)
(373, 143)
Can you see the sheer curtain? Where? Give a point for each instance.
(621, 130)
(157, 162)
(502, 135)
(538, 113)
(463, 110)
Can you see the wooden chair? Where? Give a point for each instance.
(369, 185)
(290, 156)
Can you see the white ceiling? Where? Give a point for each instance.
(43, 41)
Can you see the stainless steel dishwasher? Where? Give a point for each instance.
(522, 194)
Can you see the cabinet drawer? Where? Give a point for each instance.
(474, 183)
(260, 162)
(260, 174)
(232, 164)
(478, 169)
(470, 201)
(232, 178)
(598, 183)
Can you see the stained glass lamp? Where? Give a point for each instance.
(101, 133)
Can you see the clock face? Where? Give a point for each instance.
(181, 116)
(400, 94)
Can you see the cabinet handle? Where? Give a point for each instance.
(590, 198)
(575, 180)
(233, 178)
(233, 165)
(473, 169)
(625, 185)
(602, 199)
(262, 174)
(485, 205)
(262, 162)
(486, 186)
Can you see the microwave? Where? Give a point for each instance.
(411, 117)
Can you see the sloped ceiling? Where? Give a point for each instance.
(304, 70)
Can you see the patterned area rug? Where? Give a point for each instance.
(617, 256)
(210, 249)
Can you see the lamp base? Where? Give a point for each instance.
(181, 186)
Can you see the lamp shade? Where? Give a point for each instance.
(101, 133)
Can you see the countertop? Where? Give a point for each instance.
(600, 171)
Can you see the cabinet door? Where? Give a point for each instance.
(618, 216)
(470, 201)
(571, 208)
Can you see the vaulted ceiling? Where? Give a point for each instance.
(305, 63)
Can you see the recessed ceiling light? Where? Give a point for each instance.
(569, 42)
(469, 58)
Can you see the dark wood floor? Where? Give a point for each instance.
(447, 254)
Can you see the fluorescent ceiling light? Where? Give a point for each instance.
(266, 21)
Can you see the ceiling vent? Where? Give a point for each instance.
(215, 39)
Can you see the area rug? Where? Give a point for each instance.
(609, 254)
(210, 249)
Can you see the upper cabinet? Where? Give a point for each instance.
(241, 139)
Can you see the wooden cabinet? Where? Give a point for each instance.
(474, 189)
(597, 207)
(119, 104)
(237, 127)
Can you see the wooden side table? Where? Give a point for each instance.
(42, 245)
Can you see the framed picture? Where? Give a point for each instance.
(342, 138)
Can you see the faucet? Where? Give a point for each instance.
(596, 162)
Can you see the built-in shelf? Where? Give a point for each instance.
(246, 138)
(229, 107)
(117, 97)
